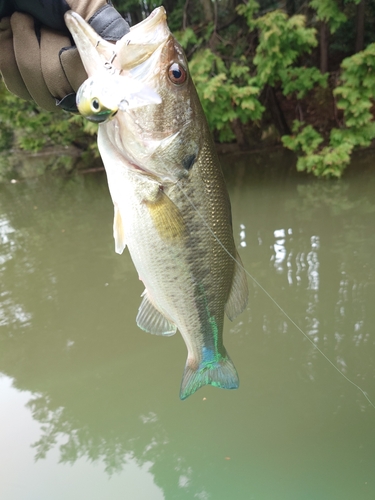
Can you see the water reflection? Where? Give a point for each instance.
(318, 239)
(38, 479)
(6, 243)
(102, 391)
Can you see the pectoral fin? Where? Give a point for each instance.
(152, 321)
(166, 217)
(118, 232)
(239, 292)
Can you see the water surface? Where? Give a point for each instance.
(89, 404)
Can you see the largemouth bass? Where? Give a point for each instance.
(170, 201)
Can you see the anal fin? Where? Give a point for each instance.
(151, 320)
(239, 293)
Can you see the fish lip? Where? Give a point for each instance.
(153, 19)
(151, 32)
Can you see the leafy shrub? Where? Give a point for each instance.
(355, 94)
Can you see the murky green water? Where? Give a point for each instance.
(89, 405)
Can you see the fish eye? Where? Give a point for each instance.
(177, 74)
(95, 105)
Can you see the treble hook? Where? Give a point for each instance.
(108, 64)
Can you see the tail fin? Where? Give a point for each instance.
(219, 373)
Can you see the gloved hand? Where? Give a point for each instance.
(38, 60)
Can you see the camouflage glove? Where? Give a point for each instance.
(38, 60)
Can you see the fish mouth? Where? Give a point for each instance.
(142, 40)
(133, 48)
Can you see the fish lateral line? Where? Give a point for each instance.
(364, 393)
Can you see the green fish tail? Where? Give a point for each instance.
(219, 372)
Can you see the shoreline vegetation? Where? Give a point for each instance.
(293, 74)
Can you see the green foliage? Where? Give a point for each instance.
(357, 91)
(6, 137)
(328, 161)
(187, 37)
(281, 41)
(226, 93)
(25, 126)
(234, 61)
(356, 95)
(329, 12)
(232, 92)
(249, 11)
(307, 139)
(301, 80)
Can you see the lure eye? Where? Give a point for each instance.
(97, 113)
(177, 74)
(95, 105)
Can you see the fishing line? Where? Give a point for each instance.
(271, 298)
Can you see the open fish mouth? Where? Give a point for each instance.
(111, 86)
(136, 73)
(133, 48)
